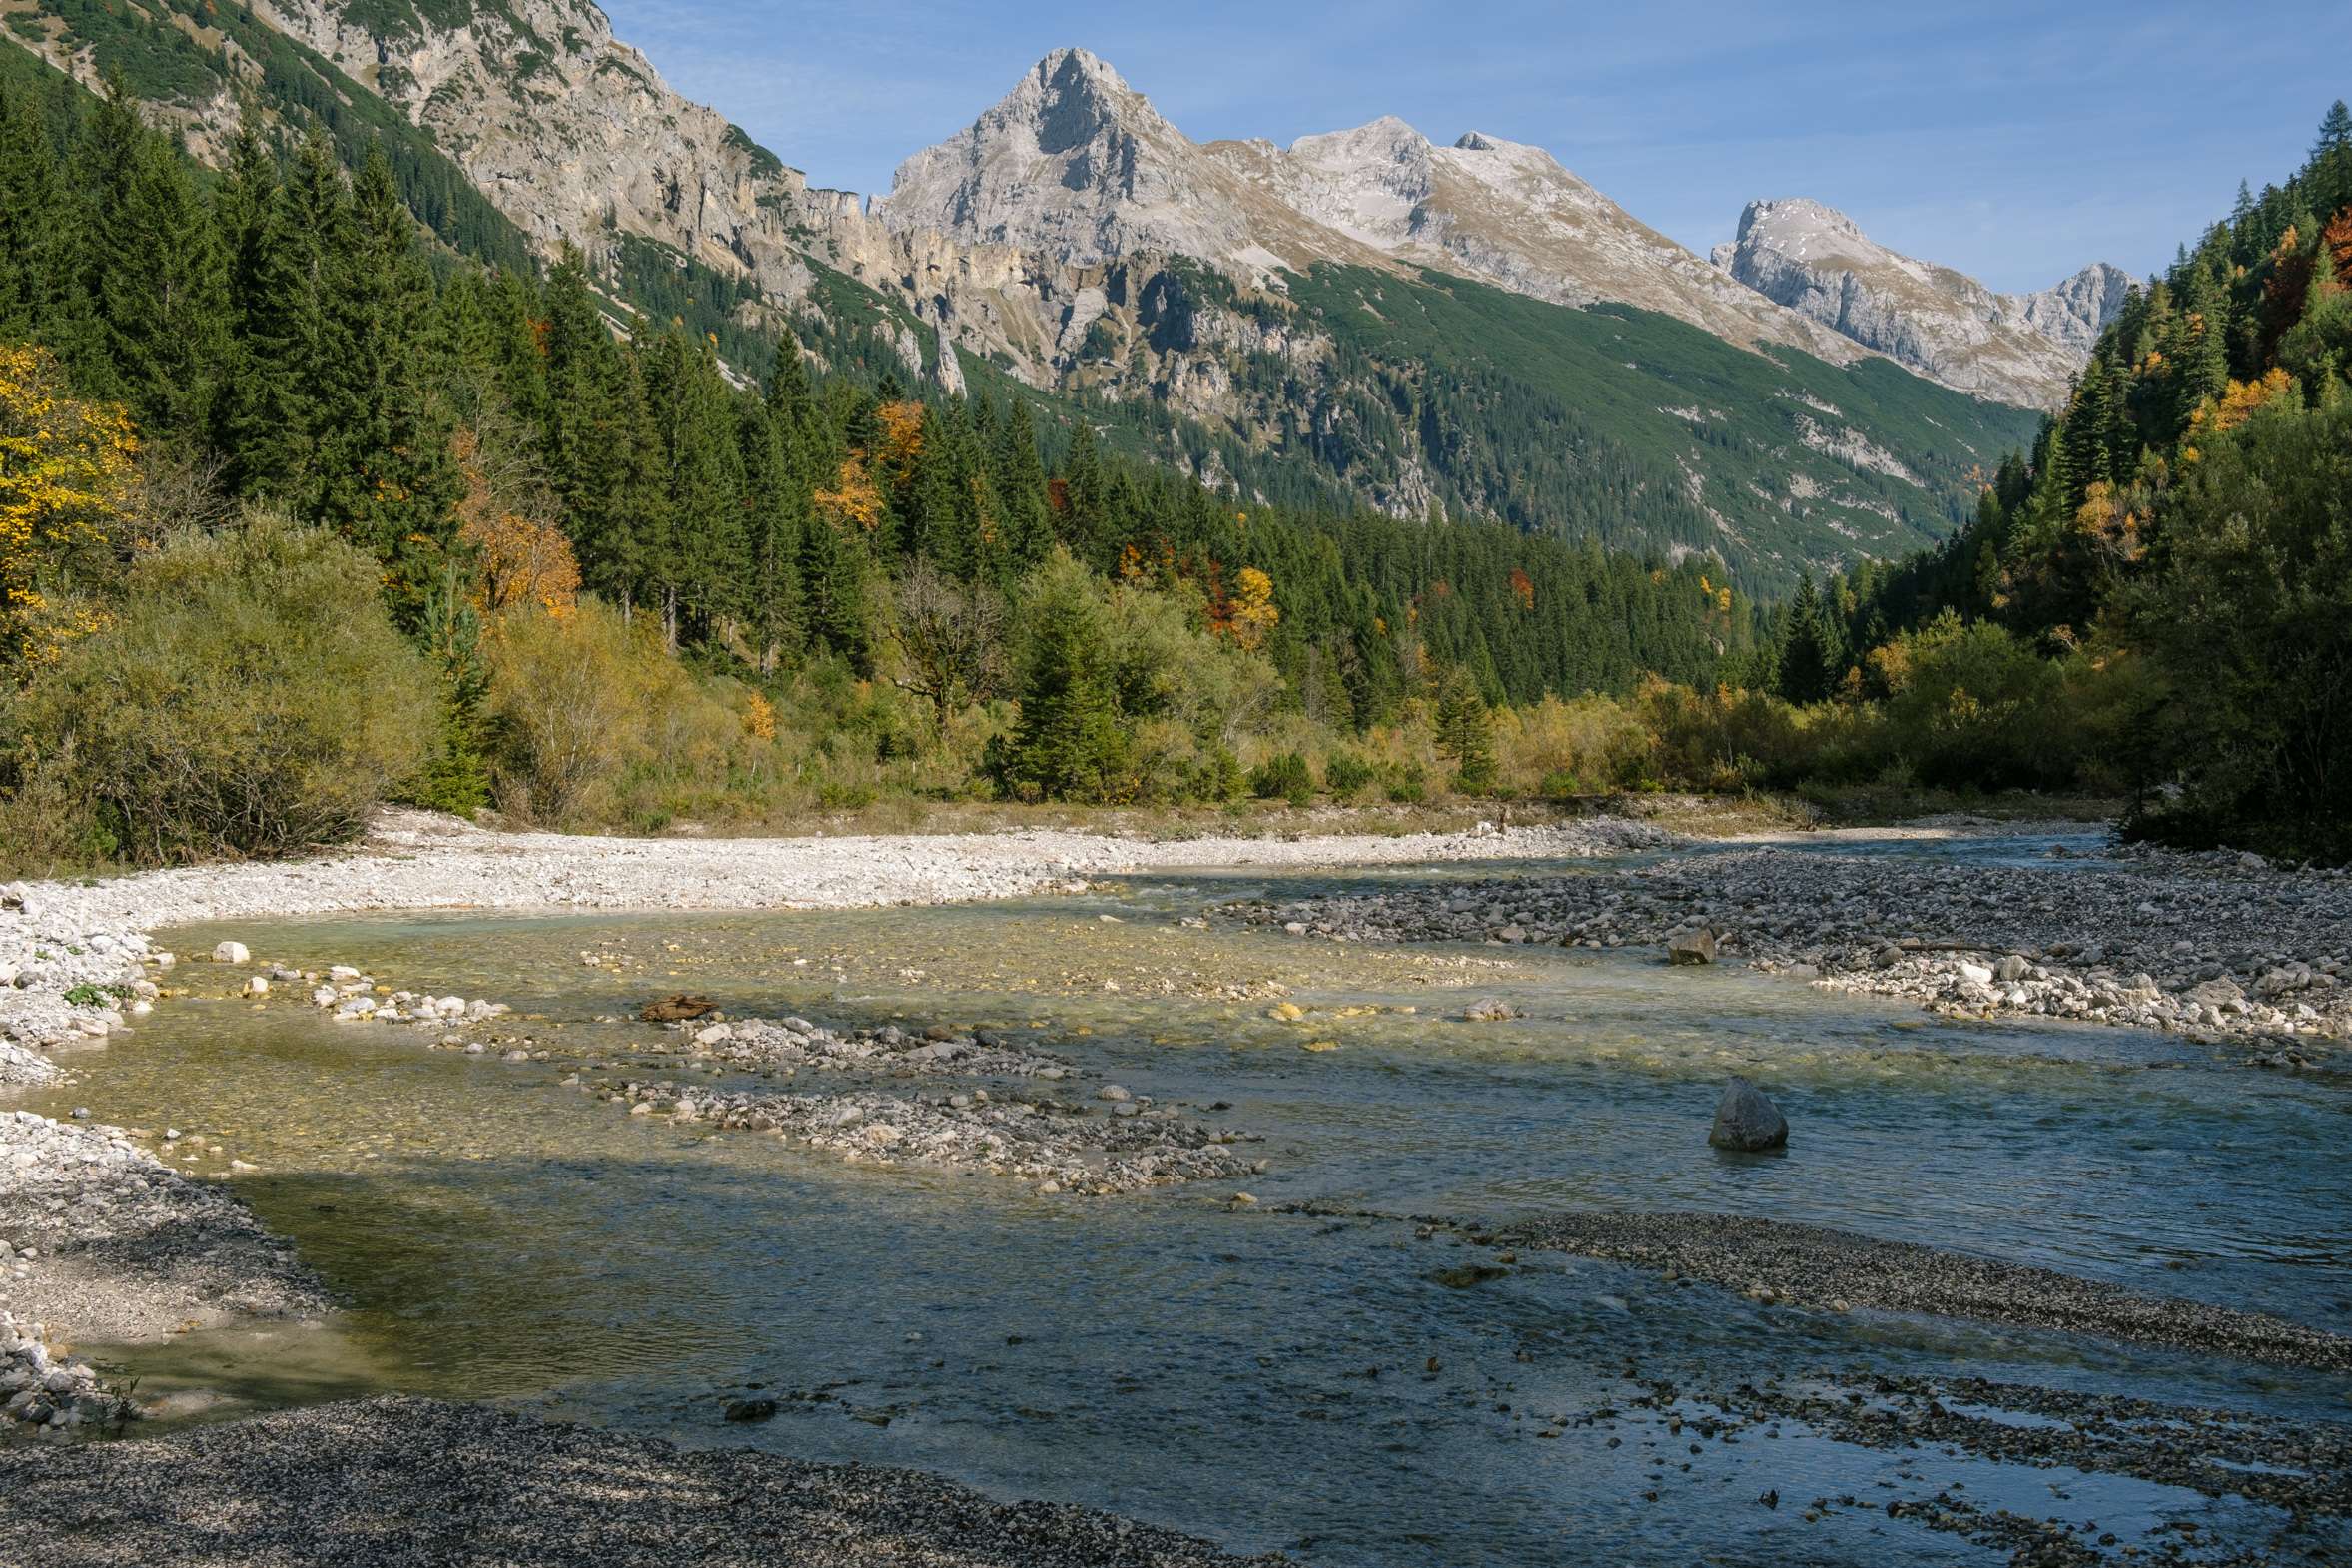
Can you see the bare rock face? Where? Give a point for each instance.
(1745, 1121)
(1076, 165)
(2020, 348)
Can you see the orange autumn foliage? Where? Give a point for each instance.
(2337, 236)
(854, 501)
(524, 560)
(902, 433)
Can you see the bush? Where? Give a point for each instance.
(1408, 785)
(578, 699)
(1284, 777)
(249, 697)
(1345, 773)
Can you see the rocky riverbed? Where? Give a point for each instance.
(1123, 1143)
(2221, 947)
(1777, 1263)
(100, 1239)
(418, 1483)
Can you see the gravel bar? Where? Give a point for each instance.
(1811, 1266)
(2216, 946)
(418, 1483)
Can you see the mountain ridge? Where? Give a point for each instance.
(1932, 319)
(1167, 291)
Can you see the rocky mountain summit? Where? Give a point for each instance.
(1076, 165)
(2019, 348)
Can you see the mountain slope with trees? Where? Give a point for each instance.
(524, 122)
(2176, 548)
(555, 496)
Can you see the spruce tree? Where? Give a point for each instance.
(775, 506)
(37, 224)
(1804, 656)
(1465, 731)
(153, 276)
(697, 564)
(1021, 489)
(1067, 744)
(389, 478)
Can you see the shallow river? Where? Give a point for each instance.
(501, 1236)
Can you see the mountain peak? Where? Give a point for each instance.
(2023, 349)
(1386, 140)
(1797, 216)
(1073, 161)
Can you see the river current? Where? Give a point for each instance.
(1269, 1381)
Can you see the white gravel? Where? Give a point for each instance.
(2220, 947)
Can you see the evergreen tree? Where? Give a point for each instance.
(388, 477)
(833, 587)
(697, 564)
(151, 276)
(1465, 732)
(775, 504)
(1067, 744)
(38, 229)
(1805, 650)
(1021, 490)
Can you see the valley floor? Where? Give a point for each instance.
(104, 1240)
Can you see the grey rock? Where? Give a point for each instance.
(1747, 1120)
(1691, 947)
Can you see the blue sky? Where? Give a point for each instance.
(2016, 142)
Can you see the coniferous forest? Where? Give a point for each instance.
(472, 532)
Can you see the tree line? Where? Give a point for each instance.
(284, 335)
(2176, 539)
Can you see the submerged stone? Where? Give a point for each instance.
(1747, 1120)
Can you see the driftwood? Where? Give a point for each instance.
(677, 1010)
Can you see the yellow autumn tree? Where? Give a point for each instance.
(2239, 402)
(525, 560)
(854, 502)
(68, 490)
(1255, 612)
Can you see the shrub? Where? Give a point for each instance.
(249, 697)
(1345, 773)
(1284, 777)
(579, 697)
(1407, 785)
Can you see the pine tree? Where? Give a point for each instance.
(1804, 654)
(389, 478)
(2331, 172)
(833, 585)
(1067, 743)
(282, 292)
(697, 565)
(1021, 489)
(1465, 731)
(1085, 522)
(37, 224)
(153, 276)
(775, 506)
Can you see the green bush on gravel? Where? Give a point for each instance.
(249, 696)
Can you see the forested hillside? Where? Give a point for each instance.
(2172, 560)
(1321, 386)
(501, 446)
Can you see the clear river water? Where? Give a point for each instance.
(500, 1237)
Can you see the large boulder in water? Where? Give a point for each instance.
(1747, 1120)
(1691, 947)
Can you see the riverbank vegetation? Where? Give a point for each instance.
(298, 509)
